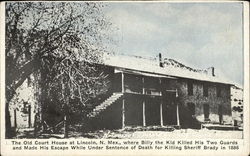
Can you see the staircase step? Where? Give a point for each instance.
(105, 104)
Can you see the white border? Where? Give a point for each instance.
(5, 142)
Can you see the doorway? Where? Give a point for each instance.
(206, 112)
(169, 108)
(191, 108)
(152, 112)
(220, 112)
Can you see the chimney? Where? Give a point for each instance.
(160, 60)
(211, 71)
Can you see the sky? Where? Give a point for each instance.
(199, 35)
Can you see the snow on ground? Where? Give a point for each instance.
(149, 134)
(176, 134)
(188, 134)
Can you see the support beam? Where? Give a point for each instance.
(161, 117)
(143, 87)
(123, 103)
(177, 109)
(15, 122)
(123, 113)
(143, 113)
(122, 82)
(177, 113)
(143, 104)
(160, 86)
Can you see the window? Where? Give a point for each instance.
(132, 83)
(190, 88)
(152, 86)
(205, 90)
(206, 111)
(218, 91)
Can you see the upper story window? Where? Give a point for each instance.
(152, 86)
(132, 83)
(218, 90)
(190, 87)
(205, 90)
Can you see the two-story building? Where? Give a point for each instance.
(149, 92)
(160, 92)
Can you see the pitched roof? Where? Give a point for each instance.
(170, 67)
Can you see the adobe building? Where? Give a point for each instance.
(160, 92)
(144, 92)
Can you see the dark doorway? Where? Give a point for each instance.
(206, 112)
(220, 109)
(169, 108)
(152, 112)
(133, 111)
(191, 108)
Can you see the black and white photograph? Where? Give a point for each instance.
(124, 70)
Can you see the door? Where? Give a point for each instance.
(133, 111)
(206, 112)
(220, 114)
(152, 112)
(191, 108)
(169, 108)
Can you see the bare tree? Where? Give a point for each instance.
(63, 37)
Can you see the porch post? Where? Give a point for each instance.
(123, 103)
(143, 113)
(143, 104)
(123, 113)
(161, 114)
(177, 110)
(122, 82)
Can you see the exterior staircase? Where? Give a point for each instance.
(98, 109)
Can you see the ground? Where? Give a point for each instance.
(144, 134)
(176, 134)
